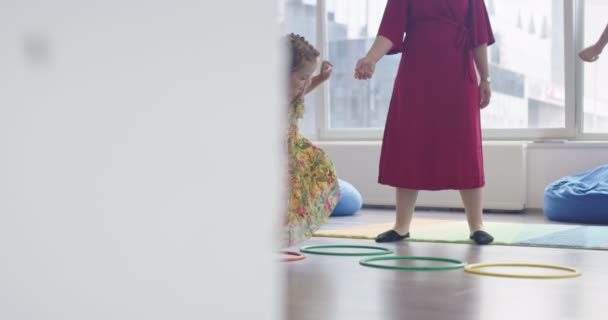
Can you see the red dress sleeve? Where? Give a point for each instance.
(479, 24)
(394, 22)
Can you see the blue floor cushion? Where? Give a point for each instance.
(350, 200)
(582, 198)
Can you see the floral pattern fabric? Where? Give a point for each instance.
(313, 184)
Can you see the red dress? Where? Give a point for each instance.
(432, 138)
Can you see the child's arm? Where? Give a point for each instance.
(324, 74)
(592, 53)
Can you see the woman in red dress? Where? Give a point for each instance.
(432, 138)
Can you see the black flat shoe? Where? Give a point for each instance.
(391, 236)
(481, 237)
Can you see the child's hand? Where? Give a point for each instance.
(326, 69)
(590, 54)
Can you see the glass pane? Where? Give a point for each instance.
(595, 102)
(352, 27)
(300, 17)
(526, 65)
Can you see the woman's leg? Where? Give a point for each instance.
(472, 200)
(406, 201)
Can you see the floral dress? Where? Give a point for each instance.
(313, 185)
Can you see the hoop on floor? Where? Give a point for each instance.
(294, 256)
(455, 264)
(474, 268)
(378, 250)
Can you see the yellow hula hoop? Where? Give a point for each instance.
(474, 268)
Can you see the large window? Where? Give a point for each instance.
(526, 65)
(534, 50)
(595, 98)
(351, 29)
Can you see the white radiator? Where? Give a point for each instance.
(505, 170)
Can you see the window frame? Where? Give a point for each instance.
(574, 12)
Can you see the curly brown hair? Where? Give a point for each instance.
(300, 51)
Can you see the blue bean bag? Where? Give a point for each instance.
(350, 200)
(581, 198)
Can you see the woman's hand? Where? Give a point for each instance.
(365, 68)
(590, 54)
(485, 93)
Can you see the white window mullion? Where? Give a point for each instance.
(577, 68)
(322, 111)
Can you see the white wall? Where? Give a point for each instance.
(120, 155)
(357, 162)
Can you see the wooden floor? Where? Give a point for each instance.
(338, 288)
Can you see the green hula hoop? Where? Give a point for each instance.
(313, 250)
(455, 264)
